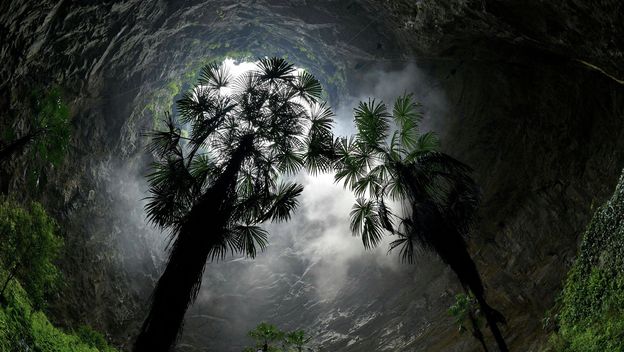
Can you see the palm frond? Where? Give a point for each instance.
(407, 117)
(219, 250)
(307, 86)
(202, 167)
(407, 248)
(165, 143)
(371, 121)
(369, 183)
(195, 103)
(215, 76)
(284, 202)
(319, 154)
(247, 239)
(365, 222)
(385, 215)
(275, 68)
(289, 161)
(322, 119)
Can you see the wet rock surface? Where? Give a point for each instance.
(534, 105)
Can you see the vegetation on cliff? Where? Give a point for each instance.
(590, 316)
(269, 338)
(28, 247)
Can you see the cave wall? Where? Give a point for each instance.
(541, 127)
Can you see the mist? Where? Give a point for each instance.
(306, 276)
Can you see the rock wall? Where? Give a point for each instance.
(536, 107)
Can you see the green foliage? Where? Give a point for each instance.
(272, 120)
(52, 118)
(389, 160)
(28, 247)
(266, 333)
(591, 316)
(93, 338)
(24, 329)
(162, 99)
(297, 339)
(275, 340)
(461, 309)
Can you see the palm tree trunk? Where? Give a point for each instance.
(492, 318)
(466, 270)
(454, 252)
(476, 331)
(178, 286)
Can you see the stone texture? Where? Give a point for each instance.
(535, 108)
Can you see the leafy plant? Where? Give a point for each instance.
(465, 310)
(28, 247)
(271, 339)
(265, 335)
(49, 130)
(23, 326)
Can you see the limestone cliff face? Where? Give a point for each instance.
(534, 106)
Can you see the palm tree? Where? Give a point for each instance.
(214, 188)
(298, 339)
(436, 196)
(266, 335)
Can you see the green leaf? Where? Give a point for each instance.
(371, 121)
(407, 118)
(275, 69)
(365, 222)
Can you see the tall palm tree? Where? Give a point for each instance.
(388, 162)
(214, 188)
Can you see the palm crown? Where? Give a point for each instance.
(388, 162)
(272, 115)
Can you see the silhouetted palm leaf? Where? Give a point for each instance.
(407, 118)
(215, 76)
(248, 238)
(307, 87)
(275, 68)
(365, 222)
(438, 198)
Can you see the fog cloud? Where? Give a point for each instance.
(314, 255)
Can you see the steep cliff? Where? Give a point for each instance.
(533, 101)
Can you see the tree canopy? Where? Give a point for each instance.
(214, 187)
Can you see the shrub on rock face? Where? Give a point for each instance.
(28, 247)
(269, 338)
(591, 317)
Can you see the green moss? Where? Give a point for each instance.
(591, 315)
(24, 329)
(162, 100)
